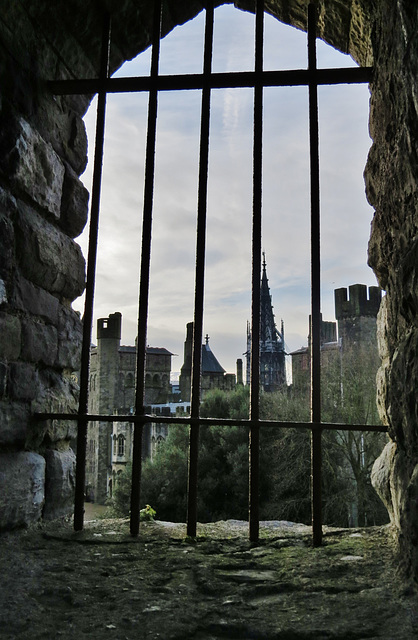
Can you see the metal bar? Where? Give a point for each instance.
(254, 439)
(145, 273)
(146, 418)
(288, 78)
(316, 452)
(90, 281)
(200, 275)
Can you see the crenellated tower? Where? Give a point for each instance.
(356, 314)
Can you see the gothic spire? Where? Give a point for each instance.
(272, 353)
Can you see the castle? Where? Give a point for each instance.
(112, 391)
(356, 316)
(44, 207)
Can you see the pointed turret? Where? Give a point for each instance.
(272, 350)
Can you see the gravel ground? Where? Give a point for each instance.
(102, 583)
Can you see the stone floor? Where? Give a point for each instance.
(101, 583)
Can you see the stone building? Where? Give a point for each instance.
(213, 374)
(301, 358)
(43, 207)
(272, 347)
(356, 316)
(112, 390)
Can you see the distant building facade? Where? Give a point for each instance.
(112, 391)
(301, 358)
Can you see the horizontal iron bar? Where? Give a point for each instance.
(231, 422)
(298, 77)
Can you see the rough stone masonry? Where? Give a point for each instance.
(43, 207)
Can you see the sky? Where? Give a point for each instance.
(345, 213)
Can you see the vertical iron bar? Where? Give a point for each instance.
(90, 281)
(316, 452)
(145, 271)
(254, 440)
(200, 273)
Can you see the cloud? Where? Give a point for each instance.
(286, 201)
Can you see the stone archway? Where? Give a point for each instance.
(44, 205)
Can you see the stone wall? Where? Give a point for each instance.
(43, 206)
(391, 180)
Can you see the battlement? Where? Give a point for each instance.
(357, 304)
(110, 327)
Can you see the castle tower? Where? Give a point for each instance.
(356, 314)
(103, 398)
(272, 351)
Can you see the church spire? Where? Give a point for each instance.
(272, 352)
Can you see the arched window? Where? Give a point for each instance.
(121, 445)
(115, 445)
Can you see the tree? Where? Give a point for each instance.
(290, 461)
(349, 396)
(285, 455)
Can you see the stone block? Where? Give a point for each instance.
(4, 372)
(22, 489)
(391, 479)
(6, 246)
(23, 383)
(380, 478)
(57, 393)
(408, 273)
(401, 392)
(3, 292)
(48, 257)
(70, 333)
(32, 299)
(7, 243)
(39, 342)
(11, 339)
(74, 205)
(14, 419)
(59, 483)
(58, 430)
(382, 331)
(33, 164)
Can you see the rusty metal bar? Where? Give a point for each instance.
(145, 273)
(316, 452)
(254, 439)
(80, 480)
(200, 275)
(146, 418)
(237, 79)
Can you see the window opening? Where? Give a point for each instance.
(121, 445)
(259, 79)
